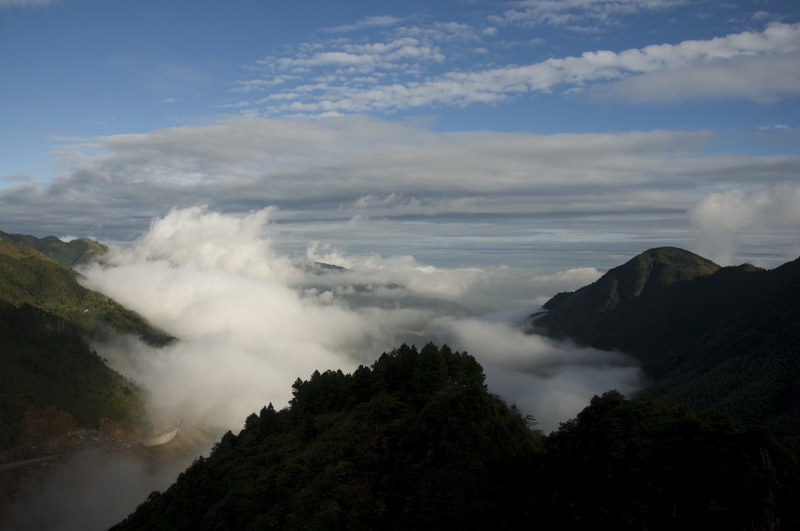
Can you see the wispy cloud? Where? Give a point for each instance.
(367, 22)
(757, 66)
(575, 14)
(25, 3)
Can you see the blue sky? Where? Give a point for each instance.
(498, 130)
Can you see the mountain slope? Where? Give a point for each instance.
(723, 338)
(71, 253)
(29, 277)
(645, 274)
(51, 381)
(416, 441)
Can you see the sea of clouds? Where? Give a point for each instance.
(250, 320)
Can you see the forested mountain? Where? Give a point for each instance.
(417, 442)
(51, 381)
(724, 338)
(71, 253)
(29, 277)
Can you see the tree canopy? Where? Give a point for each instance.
(416, 441)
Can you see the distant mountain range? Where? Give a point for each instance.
(722, 338)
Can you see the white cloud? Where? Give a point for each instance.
(774, 127)
(552, 381)
(721, 217)
(25, 3)
(367, 22)
(763, 79)
(573, 13)
(373, 187)
(757, 66)
(250, 320)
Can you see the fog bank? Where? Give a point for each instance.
(250, 320)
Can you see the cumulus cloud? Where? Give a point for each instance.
(721, 217)
(250, 320)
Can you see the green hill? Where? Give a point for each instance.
(416, 441)
(647, 273)
(715, 338)
(46, 364)
(71, 254)
(29, 277)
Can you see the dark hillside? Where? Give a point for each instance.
(46, 364)
(644, 275)
(728, 340)
(51, 382)
(417, 442)
(637, 464)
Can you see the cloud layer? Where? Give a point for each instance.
(458, 199)
(403, 72)
(250, 321)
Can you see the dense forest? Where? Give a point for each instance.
(716, 338)
(46, 365)
(416, 441)
(51, 380)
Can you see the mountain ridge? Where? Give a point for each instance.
(27, 276)
(725, 339)
(649, 271)
(416, 441)
(72, 253)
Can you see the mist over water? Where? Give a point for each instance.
(250, 320)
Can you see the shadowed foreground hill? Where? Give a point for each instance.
(52, 382)
(716, 338)
(417, 442)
